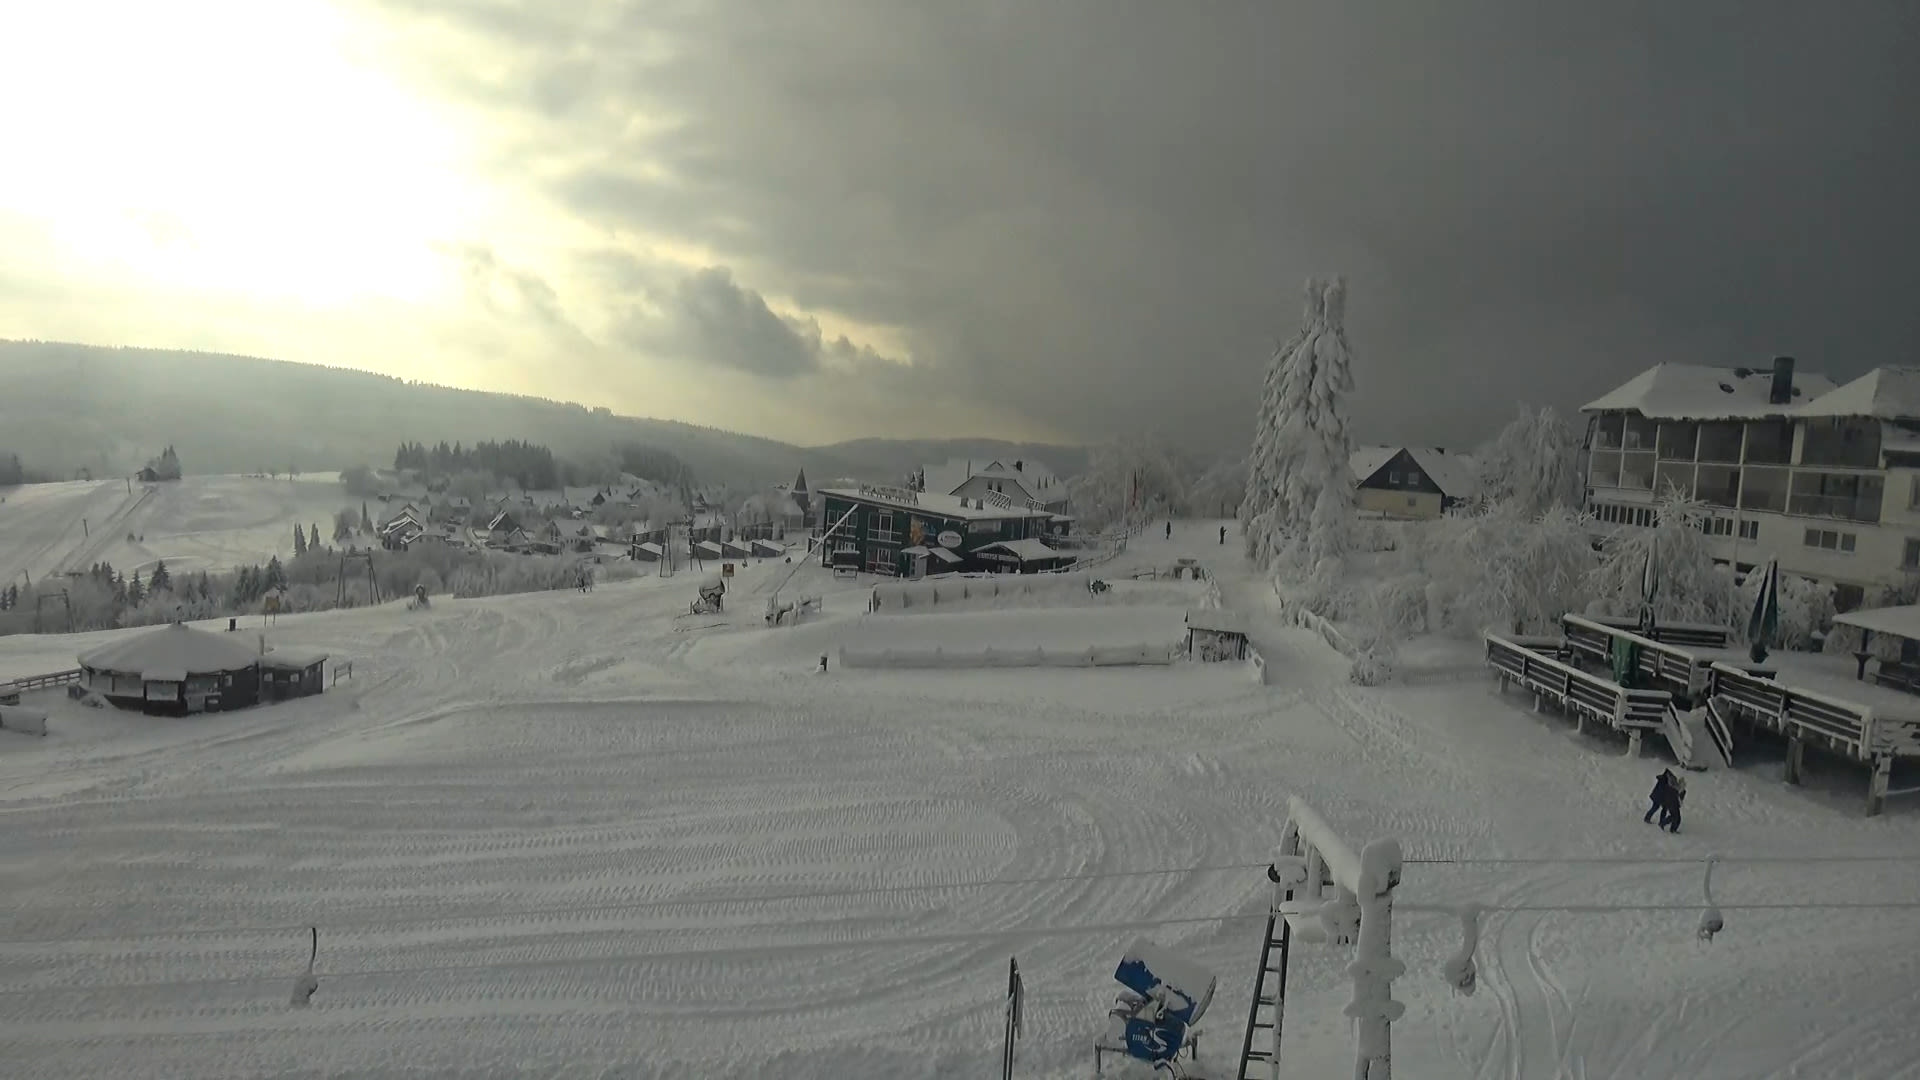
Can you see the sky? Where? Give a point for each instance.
(1079, 220)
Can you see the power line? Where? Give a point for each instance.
(925, 940)
(373, 917)
(643, 905)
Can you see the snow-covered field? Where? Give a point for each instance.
(211, 523)
(589, 835)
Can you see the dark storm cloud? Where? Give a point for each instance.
(1098, 213)
(714, 320)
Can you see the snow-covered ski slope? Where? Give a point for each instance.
(195, 523)
(573, 835)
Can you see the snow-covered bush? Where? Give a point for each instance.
(1533, 465)
(1692, 588)
(1503, 570)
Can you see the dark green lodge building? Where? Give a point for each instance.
(905, 533)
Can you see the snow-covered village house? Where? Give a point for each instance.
(1826, 479)
(1025, 482)
(898, 531)
(1409, 481)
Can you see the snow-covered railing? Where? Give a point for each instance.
(1695, 635)
(12, 687)
(990, 657)
(1802, 715)
(1668, 666)
(1584, 695)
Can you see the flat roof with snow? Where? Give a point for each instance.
(1028, 550)
(1902, 621)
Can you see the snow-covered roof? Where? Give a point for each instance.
(769, 545)
(651, 548)
(1367, 460)
(935, 504)
(1885, 393)
(1028, 550)
(1034, 478)
(1699, 392)
(295, 659)
(1218, 620)
(707, 545)
(1902, 621)
(944, 554)
(169, 651)
(1453, 474)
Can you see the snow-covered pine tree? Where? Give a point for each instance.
(160, 579)
(313, 537)
(366, 519)
(299, 541)
(1300, 501)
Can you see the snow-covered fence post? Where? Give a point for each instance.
(1364, 882)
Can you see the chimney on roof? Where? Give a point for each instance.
(1782, 390)
(1019, 466)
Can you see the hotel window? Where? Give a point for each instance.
(1830, 540)
(1910, 559)
(1749, 530)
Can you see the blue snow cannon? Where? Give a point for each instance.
(1167, 995)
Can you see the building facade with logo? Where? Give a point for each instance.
(899, 532)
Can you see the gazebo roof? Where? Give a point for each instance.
(171, 652)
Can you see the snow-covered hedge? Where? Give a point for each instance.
(990, 657)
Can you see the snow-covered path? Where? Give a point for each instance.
(567, 835)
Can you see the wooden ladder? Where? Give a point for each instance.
(1269, 998)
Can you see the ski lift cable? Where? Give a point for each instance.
(924, 940)
(373, 919)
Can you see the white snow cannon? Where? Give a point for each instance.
(1167, 995)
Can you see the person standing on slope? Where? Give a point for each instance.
(1169, 528)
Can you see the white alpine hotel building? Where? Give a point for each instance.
(1824, 478)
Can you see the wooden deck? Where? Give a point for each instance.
(1865, 722)
(1544, 667)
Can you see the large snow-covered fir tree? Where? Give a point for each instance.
(1300, 500)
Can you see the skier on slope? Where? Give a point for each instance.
(1169, 528)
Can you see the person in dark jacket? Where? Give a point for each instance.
(1670, 815)
(1223, 535)
(1169, 529)
(1662, 789)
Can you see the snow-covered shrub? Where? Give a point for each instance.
(1692, 588)
(1533, 465)
(1806, 609)
(1504, 570)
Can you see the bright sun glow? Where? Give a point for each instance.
(225, 146)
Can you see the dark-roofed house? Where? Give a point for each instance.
(174, 670)
(1410, 481)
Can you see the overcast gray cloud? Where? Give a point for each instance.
(1094, 216)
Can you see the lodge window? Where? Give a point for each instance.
(1393, 477)
(880, 526)
(1910, 559)
(1830, 540)
(1749, 530)
(1413, 478)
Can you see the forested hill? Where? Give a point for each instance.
(64, 407)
